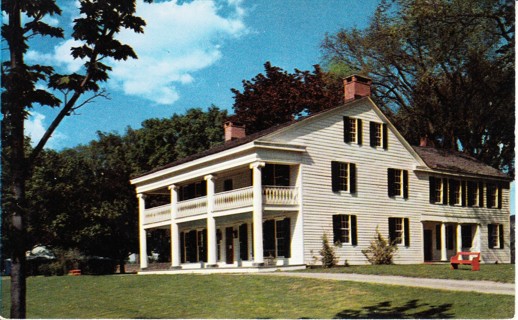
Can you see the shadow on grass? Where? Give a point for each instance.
(384, 310)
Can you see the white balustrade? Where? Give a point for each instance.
(192, 207)
(157, 214)
(233, 199)
(280, 195)
(239, 198)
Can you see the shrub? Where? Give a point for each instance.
(380, 250)
(327, 253)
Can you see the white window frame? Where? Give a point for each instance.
(344, 167)
(496, 235)
(490, 189)
(458, 193)
(398, 182)
(439, 187)
(379, 134)
(353, 129)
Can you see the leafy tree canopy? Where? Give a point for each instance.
(442, 69)
(278, 96)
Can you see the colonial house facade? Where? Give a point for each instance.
(268, 198)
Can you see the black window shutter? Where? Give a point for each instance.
(385, 136)
(407, 232)
(390, 182)
(432, 189)
(335, 180)
(490, 240)
(359, 131)
(501, 235)
(392, 229)
(499, 197)
(488, 195)
(452, 183)
(405, 184)
(354, 231)
(464, 191)
(444, 191)
(438, 236)
(287, 238)
(336, 228)
(372, 133)
(347, 130)
(352, 177)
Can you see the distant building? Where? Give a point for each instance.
(268, 198)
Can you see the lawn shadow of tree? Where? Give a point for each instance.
(385, 310)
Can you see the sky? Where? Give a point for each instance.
(190, 55)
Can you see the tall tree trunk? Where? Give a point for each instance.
(15, 142)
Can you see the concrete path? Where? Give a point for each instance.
(442, 284)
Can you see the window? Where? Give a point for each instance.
(192, 190)
(228, 185)
(467, 237)
(398, 183)
(352, 130)
(457, 190)
(277, 238)
(276, 175)
(378, 135)
(495, 236)
(450, 237)
(399, 231)
(494, 195)
(475, 194)
(343, 176)
(438, 190)
(345, 229)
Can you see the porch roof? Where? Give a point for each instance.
(456, 162)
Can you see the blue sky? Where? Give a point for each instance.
(191, 54)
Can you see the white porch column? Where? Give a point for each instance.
(142, 232)
(443, 242)
(258, 213)
(459, 237)
(175, 234)
(477, 243)
(212, 250)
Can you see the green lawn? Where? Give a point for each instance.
(245, 296)
(489, 272)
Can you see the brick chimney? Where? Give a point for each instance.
(356, 86)
(426, 142)
(233, 131)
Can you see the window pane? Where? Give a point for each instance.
(352, 129)
(344, 177)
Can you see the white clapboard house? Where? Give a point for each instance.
(268, 198)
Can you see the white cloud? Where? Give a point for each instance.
(178, 40)
(35, 129)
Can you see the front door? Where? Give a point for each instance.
(428, 246)
(229, 244)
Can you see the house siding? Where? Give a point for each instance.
(324, 141)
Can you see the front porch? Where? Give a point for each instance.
(244, 217)
(442, 240)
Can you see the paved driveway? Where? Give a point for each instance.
(442, 284)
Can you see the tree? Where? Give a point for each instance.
(380, 251)
(95, 29)
(278, 96)
(162, 141)
(327, 253)
(442, 69)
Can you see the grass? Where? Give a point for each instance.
(488, 272)
(245, 296)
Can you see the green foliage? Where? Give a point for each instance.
(442, 69)
(380, 251)
(327, 253)
(278, 97)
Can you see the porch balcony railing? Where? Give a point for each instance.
(228, 200)
(192, 207)
(233, 199)
(157, 214)
(280, 195)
